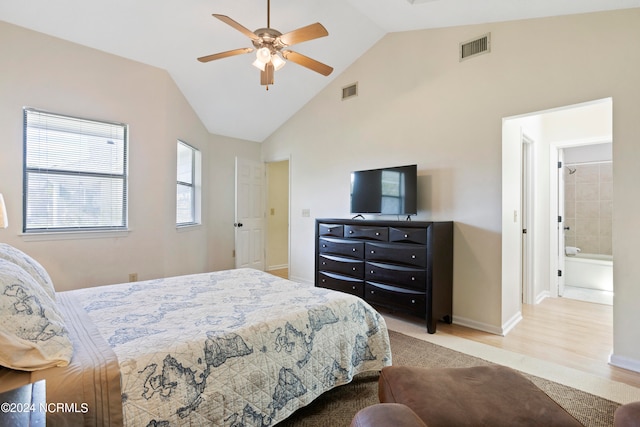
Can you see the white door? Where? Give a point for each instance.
(561, 229)
(249, 222)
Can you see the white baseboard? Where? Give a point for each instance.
(624, 362)
(277, 267)
(485, 327)
(469, 323)
(511, 323)
(541, 296)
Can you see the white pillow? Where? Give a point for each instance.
(29, 265)
(32, 331)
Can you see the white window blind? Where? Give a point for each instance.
(186, 185)
(75, 173)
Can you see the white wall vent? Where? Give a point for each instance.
(475, 47)
(350, 91)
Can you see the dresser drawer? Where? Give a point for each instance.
(397, 253)
(341, 283)
(334, 230)
(353, 249)
(409, 277)
(408, 301)
(350, 267)
(366, 232)
(408, 235)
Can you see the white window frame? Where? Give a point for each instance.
(72, 125)
(195, 185)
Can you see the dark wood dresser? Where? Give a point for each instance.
(401, 265)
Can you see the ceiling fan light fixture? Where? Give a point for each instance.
(277, 61)
(259, 64)
(263, 55)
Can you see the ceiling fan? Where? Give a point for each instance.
(271, 47)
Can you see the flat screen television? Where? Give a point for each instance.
(386, 191)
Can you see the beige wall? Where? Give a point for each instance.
(418, 104)
(48, 73)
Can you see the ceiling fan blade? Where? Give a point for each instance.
(305, 61)
(237, 26)
(225, 54)
(303, 34)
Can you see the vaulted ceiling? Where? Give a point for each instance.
(226, 94)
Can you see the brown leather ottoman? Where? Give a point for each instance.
(627, 415)
(388, 415)
(479, 396)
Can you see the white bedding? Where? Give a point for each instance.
(231, 348)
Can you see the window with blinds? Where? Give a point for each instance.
(186, 185)
(75, 173)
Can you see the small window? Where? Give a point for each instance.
(188, 178)
(75, 173)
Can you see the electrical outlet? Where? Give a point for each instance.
(133, 277)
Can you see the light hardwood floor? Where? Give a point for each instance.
(567, 332)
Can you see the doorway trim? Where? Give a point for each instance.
(528, 191)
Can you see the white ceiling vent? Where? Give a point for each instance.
(475, 47)
(350, 91)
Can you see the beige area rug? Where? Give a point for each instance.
(338, 406)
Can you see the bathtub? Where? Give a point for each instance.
(590, 271)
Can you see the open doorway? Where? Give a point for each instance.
(550, 130)
(585, 179)
(277, 234)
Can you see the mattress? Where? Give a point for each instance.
(230, 348)
(87, 391)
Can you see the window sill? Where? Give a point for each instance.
(73, 235)
(187, 227)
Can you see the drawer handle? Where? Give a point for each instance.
(372, 271)
(373, 252)
(353, 287)
(413, 301)
(354, 249)
(324, 246)
(350, 231)
(324, 281)
(373, 292)
(377, 233)
(406, 235)
(354, 269)
(413, 257)
(413, 278)
(324, 263)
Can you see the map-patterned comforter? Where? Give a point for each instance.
(232, 348)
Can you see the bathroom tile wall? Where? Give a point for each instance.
(588, 206)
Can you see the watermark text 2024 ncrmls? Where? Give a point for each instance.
(50, 407)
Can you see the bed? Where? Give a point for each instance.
(229, 348)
